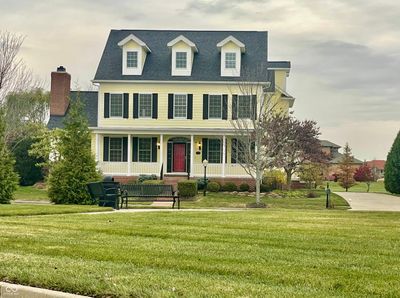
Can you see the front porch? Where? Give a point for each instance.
(133, 154)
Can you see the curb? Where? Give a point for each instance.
(8, 290)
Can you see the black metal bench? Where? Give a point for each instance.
(148, 193)
(104, 194)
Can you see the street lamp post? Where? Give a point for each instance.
(205, 163)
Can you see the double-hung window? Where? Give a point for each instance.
(180, 59)
(180, 106)
(116, 105)
(215, 107)
(230, 60)
(145, 106)
(214, 151)
(115, 152)
(144, 149)
(131, 59)
(244, 106)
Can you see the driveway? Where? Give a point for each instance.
(371, 201)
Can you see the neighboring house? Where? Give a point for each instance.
(165, 100)
(335, 157)
(377, 167)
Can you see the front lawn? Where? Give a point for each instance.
(30, 193)
(377, 187)
(265, 253)
(26, 209)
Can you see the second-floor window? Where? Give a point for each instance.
(181, 60)
(132, 59)
(215, 107)
(144, 149)
(116, 105)
(244, 106)
(230, 60)
(180, 106)
(115, 149)
(145, 106)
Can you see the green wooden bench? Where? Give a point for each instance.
(148, 193)
(104, 194)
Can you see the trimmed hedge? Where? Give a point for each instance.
(244, 187)
(265, 188)
(229, 186)
(143, 178)
(153, 182)
(187, 188)
(201, 183)
(213, 186)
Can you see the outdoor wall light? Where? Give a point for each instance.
(158, 145)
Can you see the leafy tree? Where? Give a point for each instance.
(76, 166)
(392, 168)
(26, 165)
(346, 176)
(312, 174)
(364, 174)
(8, 177)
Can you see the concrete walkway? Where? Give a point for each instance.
(371, 201)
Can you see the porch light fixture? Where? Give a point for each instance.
(158, 145)
(205, 163)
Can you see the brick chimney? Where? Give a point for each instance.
(59, 92)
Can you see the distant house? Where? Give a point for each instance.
(378, 167)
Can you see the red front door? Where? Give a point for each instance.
(179, 157)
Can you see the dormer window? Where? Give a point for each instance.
(131, 59)
(231, 50)
(134, 53)
(182, 55)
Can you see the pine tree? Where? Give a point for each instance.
(392, 168)
(346, 176)
(8, 177)
(77, 166)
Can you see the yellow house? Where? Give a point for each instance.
(167, 100)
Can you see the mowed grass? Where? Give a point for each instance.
(26, 209)
(264, 253)
(30, 193)
(378, 187)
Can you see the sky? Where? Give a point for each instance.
(345, 54)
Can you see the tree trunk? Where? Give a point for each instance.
(368, 186)
(258, 183)
(288, 179)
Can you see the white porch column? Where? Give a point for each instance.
(223, 154)
(129, 154)
(97, 147)
(191, 155)
(162, 152)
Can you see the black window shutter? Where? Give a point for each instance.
(204, 149)
(225, 106)
(126, 105)
(190, 106)
(125, 149)
(155, 105)
(169, 157)
(106, 105)
(205, 106)
(154, 149)
(135, 105)
(170, 106)
(233, 150)
(254, 106)
(106, 146)
(234, 107)
(135, 145)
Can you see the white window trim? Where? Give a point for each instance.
(231, 72)
(151, 104)
(220, 151)
(173, 107)
(137, 59)
(189, 63)
(109, 148)
(151, 149)
(109, 106)
(215, 118)
(237, 106)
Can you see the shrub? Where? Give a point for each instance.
(229, 186)
(265, 188)
(201, 183)
(256, 205)
(187, 188)
(392, 168)
(153, 182)
(213, 186)
(244, 187)
(143, 178)
(274, 179)
(312, 194)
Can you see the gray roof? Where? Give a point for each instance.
(89, 100)
(278, 64)
(337, 158)
(206, 63)
(326, 143)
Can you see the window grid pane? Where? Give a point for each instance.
(180, 59)
(180, 108)
(230, 60)
(145, 106)
(115, 149)
(214, 151)
(144, 149)
(244, 107)
(215, 106)
(116, 105)
(131, 59)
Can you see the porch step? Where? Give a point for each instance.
(173, 180)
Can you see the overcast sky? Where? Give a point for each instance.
(345, 54)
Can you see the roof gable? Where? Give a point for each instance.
(232, 39)
(185, 40)
(132, 37)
